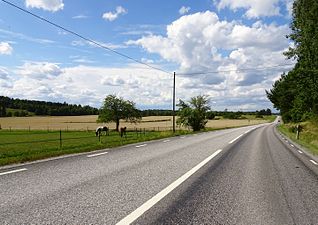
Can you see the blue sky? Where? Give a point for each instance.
(39, 61)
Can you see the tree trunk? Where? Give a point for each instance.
(117, 125)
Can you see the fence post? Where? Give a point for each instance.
(99, 137)
(60, 138)
(297, 132)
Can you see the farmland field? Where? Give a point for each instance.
(89, 123)
(30, 138)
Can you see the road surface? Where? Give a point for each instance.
(247, 175)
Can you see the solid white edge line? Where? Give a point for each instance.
(13, 171)
(235, 139)
(155, 199)
(314, 162)
(97, 154)
(138, 146)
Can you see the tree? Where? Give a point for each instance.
(194, 113)
(3, 111)
(116, 108)
(296, 94)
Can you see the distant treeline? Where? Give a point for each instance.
(32, 107)
(156, 112)
(211, 114)
(17, 107)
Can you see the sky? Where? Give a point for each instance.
(229, 50)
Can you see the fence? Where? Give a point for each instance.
(25, 145)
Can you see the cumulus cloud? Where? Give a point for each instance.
(197, 41)
(254, 8)
(111, 16)
(39, 70)
(48, 5)
(184, 10)
(5, 48)
(201, 42)
(112, 81)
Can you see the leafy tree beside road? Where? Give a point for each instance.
(295, 94)
(116, 108)
(194, 113)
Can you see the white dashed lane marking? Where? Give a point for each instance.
(166, 141)
(97, 154)
(314, 162)
(139, 146)
(12, 171)
(300, 152)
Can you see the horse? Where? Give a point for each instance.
(123, 131)
(101, 129)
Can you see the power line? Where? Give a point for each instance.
(84, 38)
(128, 57)
(237, 70)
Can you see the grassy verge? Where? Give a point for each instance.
(308, 136)
(19, 146)
(23, 146)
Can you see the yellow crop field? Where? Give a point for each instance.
(89, 123)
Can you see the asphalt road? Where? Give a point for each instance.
(238, 176)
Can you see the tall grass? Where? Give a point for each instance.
(308, 136)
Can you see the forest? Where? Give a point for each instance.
(31, 107)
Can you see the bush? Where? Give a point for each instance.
(210, 115)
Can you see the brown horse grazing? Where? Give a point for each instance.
(123, 131)
(101, 129)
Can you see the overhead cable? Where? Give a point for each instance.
(84, 38)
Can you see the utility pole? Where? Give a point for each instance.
(174, 103)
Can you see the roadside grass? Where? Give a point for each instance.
(18, 146)
(308, 136)
(22, 146)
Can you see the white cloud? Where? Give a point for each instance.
(91, 44)
(80, 16)
(4, 75)
(254, 8)
(5, 48)
(196, 41)
(203, 42)
(25, 37)
(39, 70)
(111, 16)
(184, 10)
(49, 5)
(289, 7)
(112, 81)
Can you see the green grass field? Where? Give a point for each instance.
(22, 146)
(308, 136)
